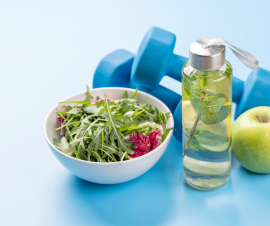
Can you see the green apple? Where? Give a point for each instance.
(251, 139)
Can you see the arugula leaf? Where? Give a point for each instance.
(92, 109)
(81, 128)
(68, 108)
(82, 102)
(135, 127)
(125, 95)
(130, 101)
(93, 143)
(68, 151)
(88, 95)
(125, 127)
(128, 117)
(108, 128)
(122, 144)
(98, 141)
(57, 142)
(64, 143)
(165, 133)
(134, 94)
(110, 149)
(97, 156)
(147, 112)
(75, 112)
(162, 119)
(106, 139)
(82, 155)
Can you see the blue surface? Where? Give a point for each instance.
(50, 49)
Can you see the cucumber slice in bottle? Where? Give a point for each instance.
(212, 144)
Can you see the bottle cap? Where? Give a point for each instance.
(206, 59)
(209, 54)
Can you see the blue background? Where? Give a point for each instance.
(49, 50)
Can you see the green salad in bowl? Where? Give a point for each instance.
(108, 130)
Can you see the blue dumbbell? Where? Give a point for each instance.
(114, 71)
(155, 59)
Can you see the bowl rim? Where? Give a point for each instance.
(109, 163)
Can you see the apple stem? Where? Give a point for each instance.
(258, 117)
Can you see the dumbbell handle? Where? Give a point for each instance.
(175, 67)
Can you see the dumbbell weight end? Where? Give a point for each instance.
(237, 89)
(255, 91)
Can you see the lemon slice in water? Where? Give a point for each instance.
(189, 115)
(207, 168)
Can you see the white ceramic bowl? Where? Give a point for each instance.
(107, 173)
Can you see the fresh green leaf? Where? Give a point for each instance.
(165, 133)
(93, 143)
(217, 117)
(64, 143)
(68, 151)
(81, 102)
(128, 117)
(92, 109)
(215, 104)
(134, 94)
(77, 124)
(68, 108)
(57, 142)
(125, 95)
(82, 155)
(196, 93)
(122, 144)
(88, 95)
(187, 85)
(110, 149)
(200, 108)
